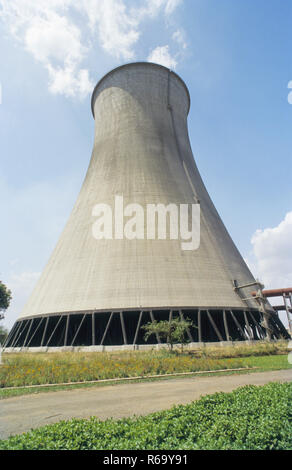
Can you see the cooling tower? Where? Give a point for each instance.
(100, 291)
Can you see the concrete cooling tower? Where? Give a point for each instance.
(131, 252)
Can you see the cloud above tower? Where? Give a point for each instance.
(161, 55)
(61, 35)
(270, 259)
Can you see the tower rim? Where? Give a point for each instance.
(132, 64)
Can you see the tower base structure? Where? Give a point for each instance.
(125, 328)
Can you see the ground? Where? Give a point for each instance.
(20, 414)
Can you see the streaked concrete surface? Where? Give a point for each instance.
(141, 152)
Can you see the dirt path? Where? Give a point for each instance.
(20, 414)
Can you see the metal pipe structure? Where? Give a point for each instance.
(286, 294)
(288, 310)
(280, 308)
(103, 290)
(275, 292)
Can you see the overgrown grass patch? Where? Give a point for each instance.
(33, 369)
(54, 368)
(250, 418)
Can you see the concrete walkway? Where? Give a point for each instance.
(20, 414)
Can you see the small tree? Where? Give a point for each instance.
(5, 297)
(173, 331)
(3, 334)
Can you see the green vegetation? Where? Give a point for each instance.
(174, 331)
(260, 364)
(5, 297)
(30, 369)
(3, 334)
(55, 368)
(250, 418)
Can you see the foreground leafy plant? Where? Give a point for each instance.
(250, 418)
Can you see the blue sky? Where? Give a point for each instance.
(235, 57)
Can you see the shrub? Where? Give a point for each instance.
(249, 418)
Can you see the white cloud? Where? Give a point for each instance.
(272, 249)
(54, 38)
(271, 258)
(114, 25)
(171, 6)
(49, 31)
(69, 81)
(152, 8)
(117, 24)
(161, 55)
(117, 30)
(180, 37)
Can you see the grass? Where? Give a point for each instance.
(249, 418)
(21, 370)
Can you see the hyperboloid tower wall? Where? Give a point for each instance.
(101, 292)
